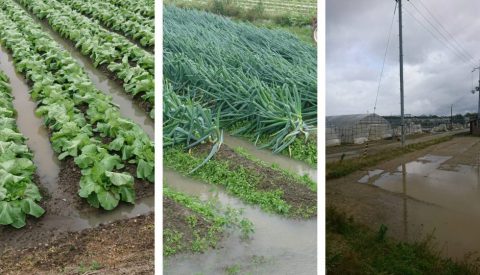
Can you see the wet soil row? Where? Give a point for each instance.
(122, 247)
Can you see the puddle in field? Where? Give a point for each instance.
(284, 162)
(128, 108)
(278, 245)
(371, 175)
(448, 202)
(31, 126)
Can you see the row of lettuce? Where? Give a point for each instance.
(126, 61)
(18, 193)
(83, 122)
(262, 83)
(136, 27)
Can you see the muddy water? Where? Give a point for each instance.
(30, 125)
(278, 246)
(282, 161)
(128, 108)
(449, 196)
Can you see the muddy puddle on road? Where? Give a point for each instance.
(284, 162)
(30, 125)
(278, 245)
(128, 108)
(449, 196)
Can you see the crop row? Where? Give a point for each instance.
(142, 7)
(262, 77)
(128, 62)
(18, 193)
(119, 19)
(79, 117)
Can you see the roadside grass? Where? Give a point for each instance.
(354, 249)
(199, 226)
(345, 167)
(295, 23)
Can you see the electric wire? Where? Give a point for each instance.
(446, 42)
(465, 60)
(445, 30)
(384, 58)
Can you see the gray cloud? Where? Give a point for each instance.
(435, 77)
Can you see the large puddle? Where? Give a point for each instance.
(278, 246)
(284, 162)
(450, 201)
(128, 108)
(31, 126)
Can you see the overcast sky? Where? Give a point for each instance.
(434, 75)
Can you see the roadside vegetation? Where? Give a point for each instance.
(354, 249)
(190, 225)
(345, 167)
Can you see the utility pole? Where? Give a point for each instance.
(451, 117)
(401, 71)
(477, 89)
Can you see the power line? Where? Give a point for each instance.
(460, 53)
(444, 29)
(436, 37)
(385, 57)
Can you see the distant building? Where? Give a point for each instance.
(357, 128)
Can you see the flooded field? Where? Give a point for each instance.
(62, 215)
(278, 245)
(432, 192)
(128, 108)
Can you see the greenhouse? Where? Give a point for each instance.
(357, 128)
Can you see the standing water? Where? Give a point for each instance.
(446, 202)
(284, 162)
(30, 125)
(278, 245)
(128, 108)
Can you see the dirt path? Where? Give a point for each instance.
(351, 151)
(428, 203)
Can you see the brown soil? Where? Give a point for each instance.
(175, 219)
(123, 247)
(296, 194)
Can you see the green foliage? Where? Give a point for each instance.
(118, 19)
(240, 182)
(131, 64)
(18, 193)
(229, 68)
(62, 89)
(354, 249)
(216, 218)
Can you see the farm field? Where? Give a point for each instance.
(76, 115)
(239, 132)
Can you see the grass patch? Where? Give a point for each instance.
(354, 249)
(241, 182)
(345, 167)
(191, 225)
